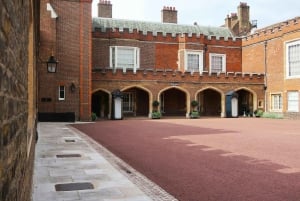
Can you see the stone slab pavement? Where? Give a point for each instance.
(71, 166)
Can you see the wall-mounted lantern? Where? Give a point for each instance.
(52, 64)
(72, 87)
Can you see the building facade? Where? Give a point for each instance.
(65, 33)
(275, 52)
(18, 131)
(161, 61)
(171, 63)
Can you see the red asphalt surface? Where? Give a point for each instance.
(236, 159)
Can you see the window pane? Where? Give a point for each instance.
(294, 60)
(216, 63)
(113, 55)
(276, 101)
(128, 102)
(125, 58)
(193, 62)
(293, 101)
(61, 93)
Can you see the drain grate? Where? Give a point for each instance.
(74, 186)
(69, 140)
(68, 155)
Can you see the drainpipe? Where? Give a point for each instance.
(204, 56)
(266, 77)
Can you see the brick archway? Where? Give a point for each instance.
(174, 101)
(136, 101)
(101, 103)
(211, 102)
(247, 102)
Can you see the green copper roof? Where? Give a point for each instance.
(104, 23)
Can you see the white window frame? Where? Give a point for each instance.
(287, 56)
(223, 56)
(113, 55)
(293, 101)
(61, 92)
(200, 61)
(276, 107)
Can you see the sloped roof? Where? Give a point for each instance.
(154, 27)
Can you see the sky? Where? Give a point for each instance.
(204, 12)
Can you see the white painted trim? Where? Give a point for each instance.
(196, 52)
(287, 44)
(223, 61)
(51, 9)
(64, 90)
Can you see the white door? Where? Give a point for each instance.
(234, 107)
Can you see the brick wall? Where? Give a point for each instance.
(156, 81)
(166, 56)
(264, 51)
(69, 38)
(17, 98)
(159, 51)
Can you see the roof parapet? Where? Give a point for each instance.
(176, 75)
(278, 28)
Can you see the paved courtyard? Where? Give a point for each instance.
(69, 166)
(209, 159)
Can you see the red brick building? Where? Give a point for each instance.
(274, 51)
(165, 61)
(171, 63)
(65, 33)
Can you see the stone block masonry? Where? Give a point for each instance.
(16, 119)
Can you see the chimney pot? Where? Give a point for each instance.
(104, 9)
(169, 15)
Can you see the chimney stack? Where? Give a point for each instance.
(239, 22)
(243, 14)
(104, 9)
(169, 15)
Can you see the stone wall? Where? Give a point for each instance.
(17, 98)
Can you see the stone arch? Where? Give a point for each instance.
(247, 100)
(209, 87)
(134, 100)
(211, 101)
(101, 89)
(180, 106)
(101, 103)
(140, 87)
